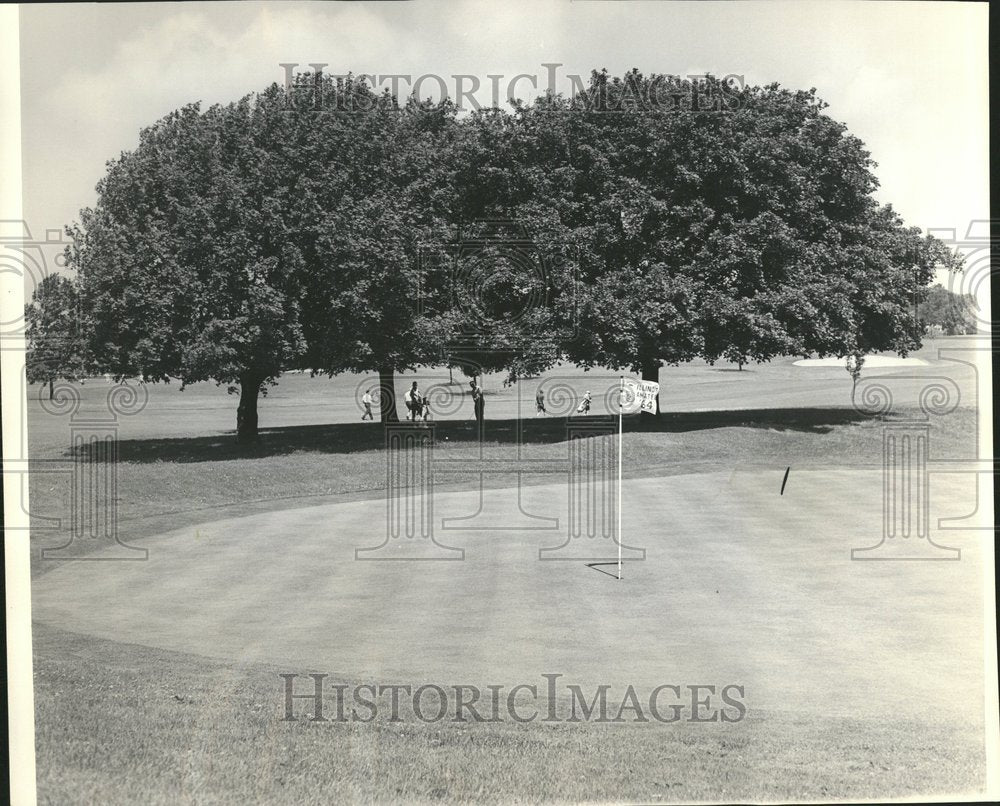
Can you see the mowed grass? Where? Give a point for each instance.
(180, 465)
(156, 496)
(123, 724)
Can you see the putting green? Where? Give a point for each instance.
(740, 584)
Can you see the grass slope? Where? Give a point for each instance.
(123, 724)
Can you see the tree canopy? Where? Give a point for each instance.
(377, 200)
(185, 264)
(743, 233)
(626, 226)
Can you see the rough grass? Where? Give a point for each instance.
(123, 724)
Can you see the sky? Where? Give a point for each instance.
(908, 78)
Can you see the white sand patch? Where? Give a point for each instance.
(870, 361)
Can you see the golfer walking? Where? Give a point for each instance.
(412, 400)
(478, 403)
(539, 402)
(367, 401)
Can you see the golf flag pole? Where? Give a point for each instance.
(642, 397)
(621, 405)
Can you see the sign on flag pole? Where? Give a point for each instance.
(640, 396)
(636, 396)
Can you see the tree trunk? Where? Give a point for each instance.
(387, 395)
(246, 412)
(50, 389)
(651, 372)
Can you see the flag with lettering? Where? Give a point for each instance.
(639, 396)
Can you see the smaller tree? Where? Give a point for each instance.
(854, 363)
(55, 344)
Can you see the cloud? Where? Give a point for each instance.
(910, 80)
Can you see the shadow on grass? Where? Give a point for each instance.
(355, 437)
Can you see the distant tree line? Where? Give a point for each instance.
(57, 346)
(339, 230)
(947, 313)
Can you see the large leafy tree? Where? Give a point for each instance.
(287, 230)
(54, 331)
(341, 230)
(185, 264)
(515, 258)
(374, 221)
(744, 228)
